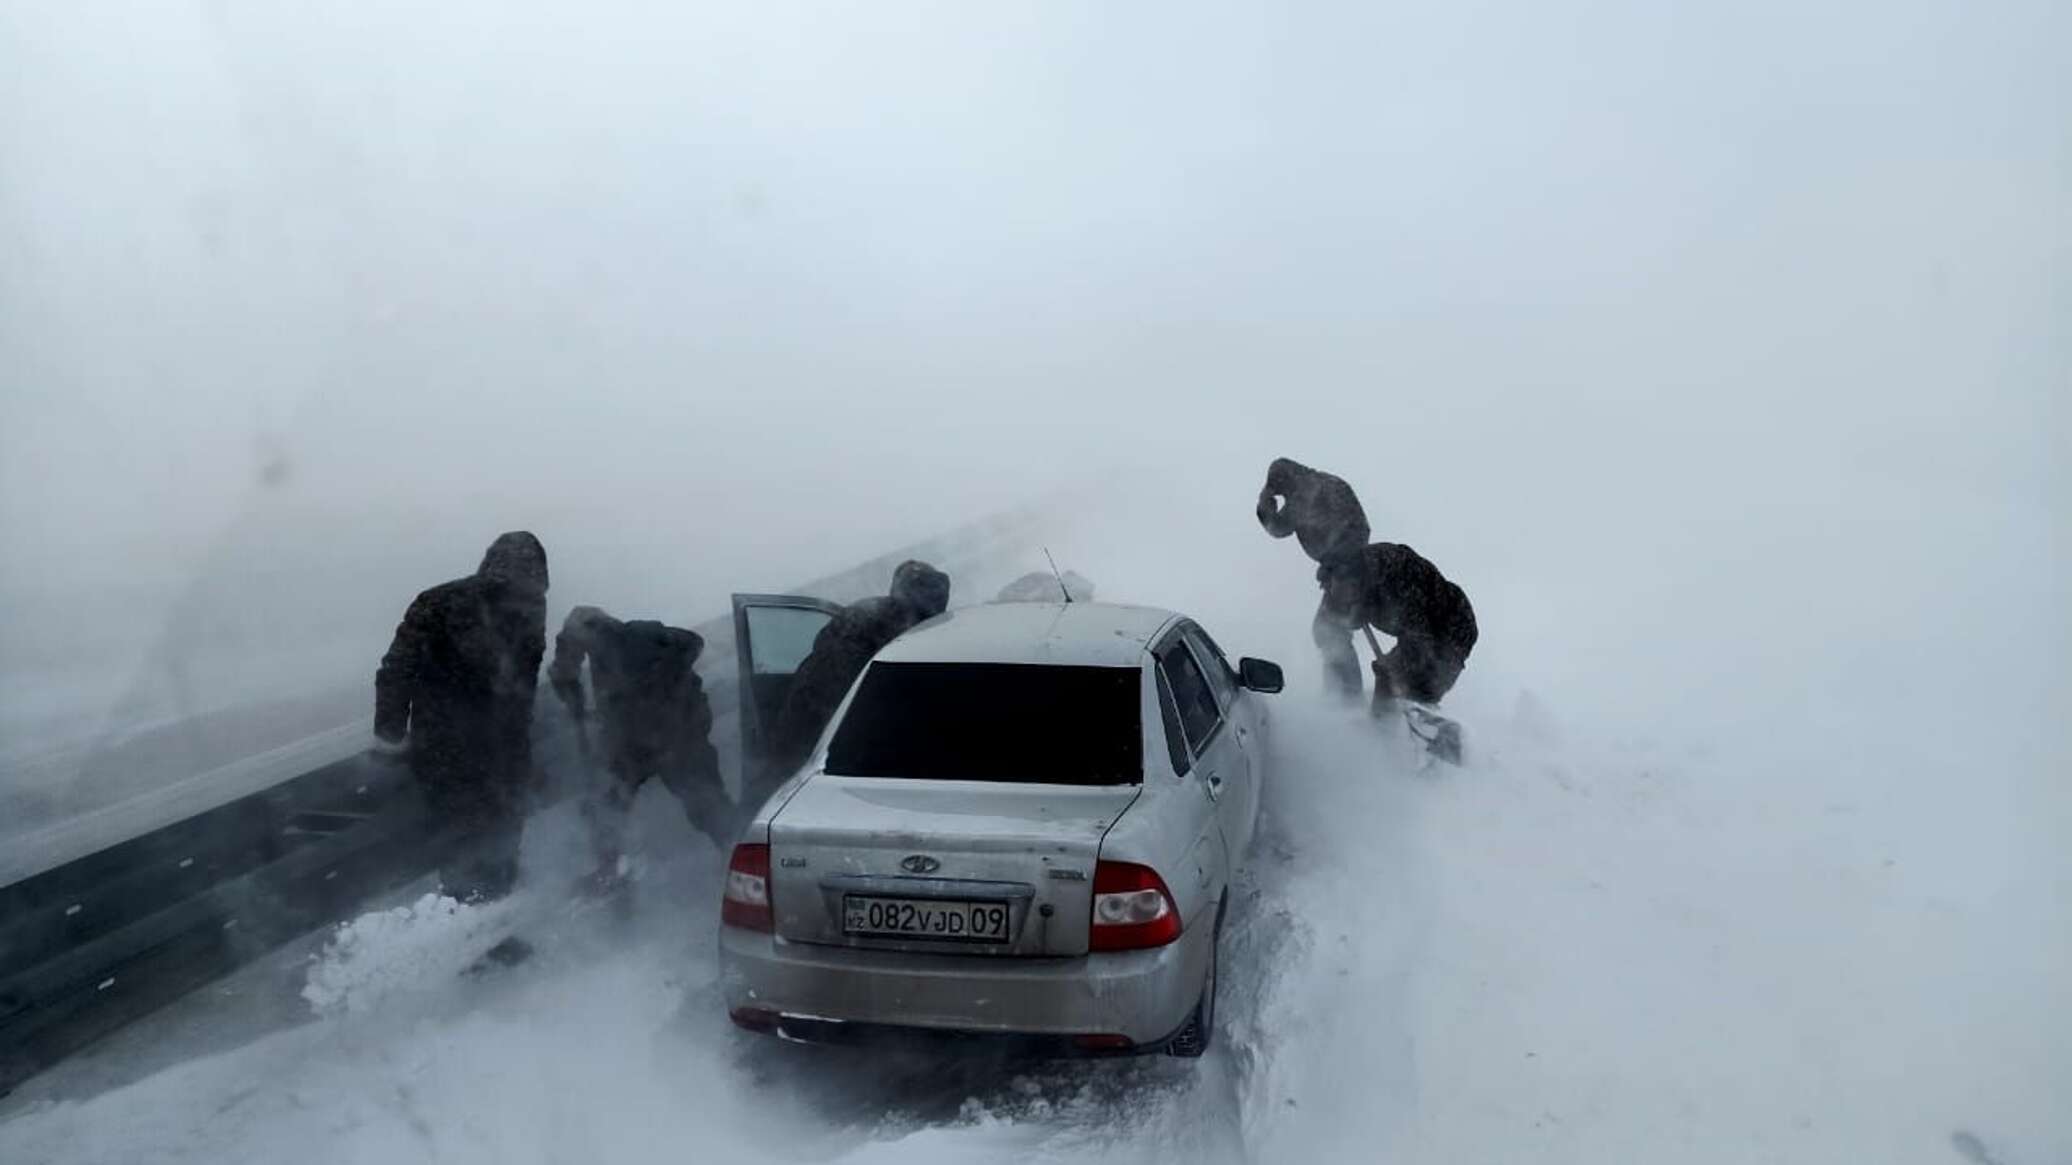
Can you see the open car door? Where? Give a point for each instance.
(773, 634)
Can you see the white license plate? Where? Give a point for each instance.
(924, 918)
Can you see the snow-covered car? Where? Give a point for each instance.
(1022, 822)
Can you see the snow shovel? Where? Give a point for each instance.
(1441, 736)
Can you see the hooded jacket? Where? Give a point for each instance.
(459, 677)
(648, 694)
(1398, 591)
(843, 647)
(1318, 508)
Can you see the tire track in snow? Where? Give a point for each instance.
(1344, 905)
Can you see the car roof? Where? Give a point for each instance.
(1067, 634)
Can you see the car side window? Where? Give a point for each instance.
(780, 638)
(1222, 680)
(1199, 715)
(1170, 712)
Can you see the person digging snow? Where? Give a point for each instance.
(1385, 586)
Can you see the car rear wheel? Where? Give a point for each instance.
(1193, 1039)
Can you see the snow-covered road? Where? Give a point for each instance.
(1564, 952)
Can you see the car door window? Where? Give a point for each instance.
(1222, 680)
(780, 638)
(773, 635)
(1240, 795)
(1176, 740)
(1199, 716)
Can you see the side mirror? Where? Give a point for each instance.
(1258, 675)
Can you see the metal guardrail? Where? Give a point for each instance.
(92, 944)
(25, 855)
(97, 940)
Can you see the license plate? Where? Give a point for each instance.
(924, 918)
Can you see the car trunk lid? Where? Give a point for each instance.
(849, 841)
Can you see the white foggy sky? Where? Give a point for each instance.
(726, 297)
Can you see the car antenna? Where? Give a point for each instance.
(1062, 588)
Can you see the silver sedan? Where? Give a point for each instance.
(1022, 822)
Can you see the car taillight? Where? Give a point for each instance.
(747, 903)
(1132, 909)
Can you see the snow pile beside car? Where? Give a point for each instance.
(406, 948)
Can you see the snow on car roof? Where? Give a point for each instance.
(1083, 634)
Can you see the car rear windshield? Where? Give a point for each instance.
(1031, 723)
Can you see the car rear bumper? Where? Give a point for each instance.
(828, 993)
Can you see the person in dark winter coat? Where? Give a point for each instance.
(840, 651)
(1395, 590)
(1324, 515)
(654, 719)
(458, 683)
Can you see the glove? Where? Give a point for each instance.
(1276, 512)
